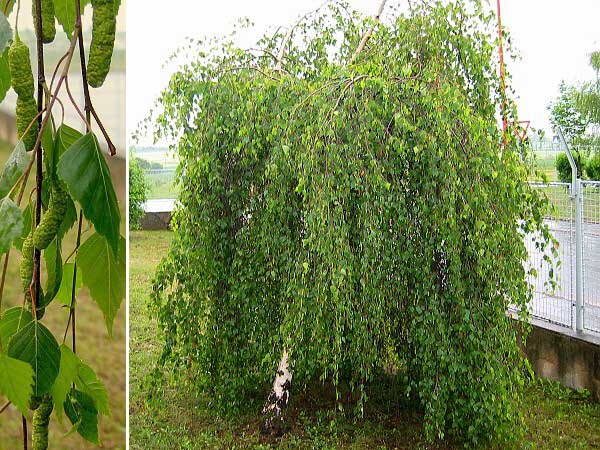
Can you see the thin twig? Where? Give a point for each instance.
(24, 432)
(111, 147)
(5, 407)
(74, 103)
(368, 34)
(288, 36)
(73, 288)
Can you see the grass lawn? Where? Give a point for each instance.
(106, 356)
(183, 418)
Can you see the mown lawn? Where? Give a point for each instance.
(106, 356)
(182, 418)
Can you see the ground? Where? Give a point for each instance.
(106, 356)
(182, 418)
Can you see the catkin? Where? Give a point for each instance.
(22, 82)
(48, 23)
(48, 227)
(26, 268)
(41, 420)
(103, 41)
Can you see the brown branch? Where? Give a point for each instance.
(37, 254)
(111, 147)
(368, 34)
(86, 89)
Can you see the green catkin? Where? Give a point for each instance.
(22, 82)
(26, 113)
(26, 268)
(20, 68)
(48, 25)
(41, 420)
(48, 227)
(103, 41)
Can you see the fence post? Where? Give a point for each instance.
(576, 192)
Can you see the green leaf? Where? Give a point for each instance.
(69, 219)
(4, 74)
(6, 33)
(104, 275)
(36, 345)
(89, 383)
(12, 321)
(64, 10)
(11, 4)
(16, 382)
(63, 295)
(15, 166)
(54, 268)
(83, 415)
(69, 366)
(65, 137)
(47, 141)
(11, 223)
(83, 168)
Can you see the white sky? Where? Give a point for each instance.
(554, 38)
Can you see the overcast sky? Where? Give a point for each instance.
(554, 38)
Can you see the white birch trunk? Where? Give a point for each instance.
(276, 404)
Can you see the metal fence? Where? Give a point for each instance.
(555, 297)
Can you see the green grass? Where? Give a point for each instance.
(183, 418)
(161, 185)
(106, 356)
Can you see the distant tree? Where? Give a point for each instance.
(587, 97)
(144, 165)
(564, 112)
(138, 192)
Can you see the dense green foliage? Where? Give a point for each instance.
(592, 167)
(563, 167)
(364, 216)
(138, 192)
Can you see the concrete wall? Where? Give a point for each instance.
(560, 354)
(156, 221)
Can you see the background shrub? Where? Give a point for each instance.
(138, 192)
(593, 167)
(564, 168)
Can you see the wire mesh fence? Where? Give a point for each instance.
(553, 280)
(591, 252)
(553, 301)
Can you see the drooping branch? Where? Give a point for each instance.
(288, 36)
(368, 34)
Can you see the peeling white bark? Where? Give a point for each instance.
(275, 406)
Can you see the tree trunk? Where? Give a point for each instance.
(273, 412)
